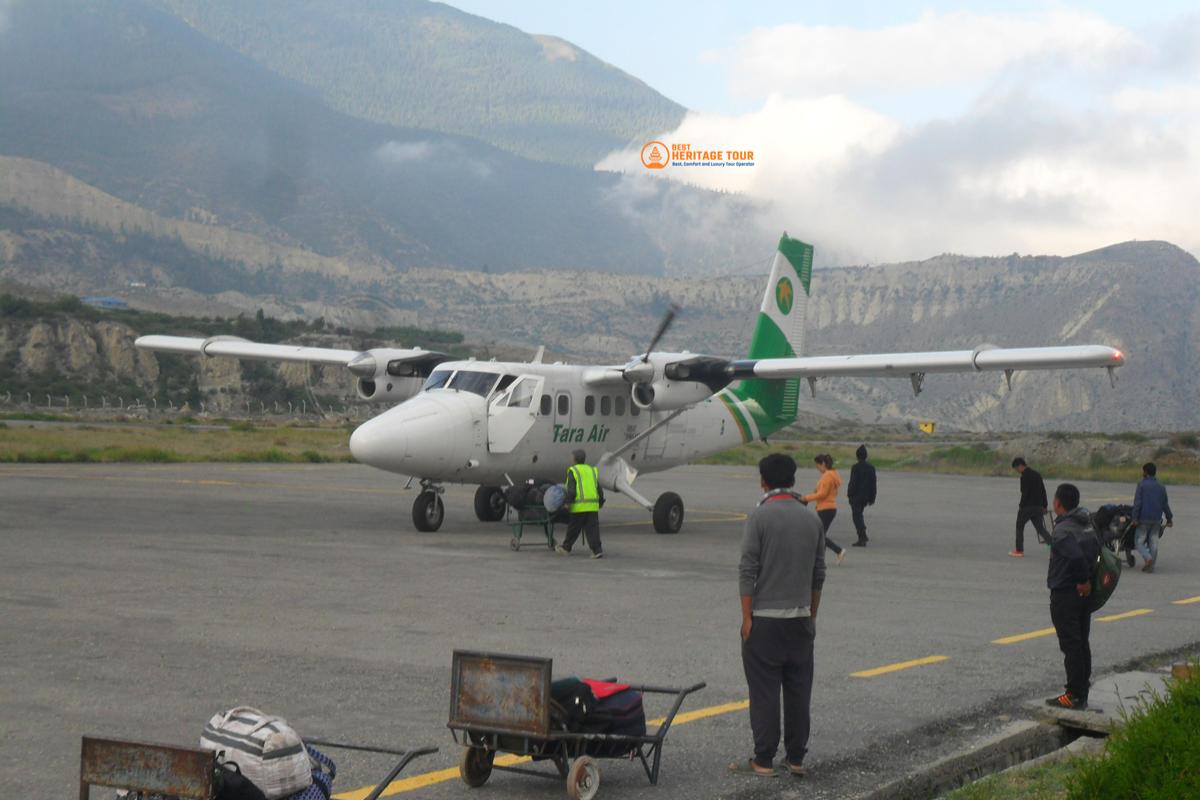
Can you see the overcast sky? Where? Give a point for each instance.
(901, 130)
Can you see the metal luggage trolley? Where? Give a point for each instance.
(533, 516)
(501, 704)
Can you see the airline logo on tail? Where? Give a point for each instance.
(784, 295)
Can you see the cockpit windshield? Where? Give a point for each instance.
(479, 383)
(437, 379)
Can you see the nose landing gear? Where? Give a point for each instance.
(428, 510)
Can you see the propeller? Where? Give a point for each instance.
(640, 370)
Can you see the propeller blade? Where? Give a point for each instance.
(662, 329)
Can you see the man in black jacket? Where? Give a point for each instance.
(1074, 549)
(861, 493)
(1032, 507)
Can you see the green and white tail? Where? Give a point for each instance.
(761, 407)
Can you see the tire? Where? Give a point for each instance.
(668, 513)
(489, 504)
(583, 779)
(475, 766)
(428, 512)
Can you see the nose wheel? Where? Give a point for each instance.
(428, 511)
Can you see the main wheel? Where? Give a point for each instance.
(489, 504)
(475, 767)
(583, 780)
(668, 513)
(428, 512)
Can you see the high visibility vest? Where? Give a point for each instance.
(587, 488)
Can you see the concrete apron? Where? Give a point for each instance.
(1053, 735)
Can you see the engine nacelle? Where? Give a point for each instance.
(393, 375)
(667, 395)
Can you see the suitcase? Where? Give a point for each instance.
(622, 714)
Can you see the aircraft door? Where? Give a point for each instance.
(512, 413)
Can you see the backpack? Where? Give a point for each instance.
(1105, 574)
(266, 749)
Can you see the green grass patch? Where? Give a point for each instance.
(1155, 755)
(36, 416)
(1048, 782)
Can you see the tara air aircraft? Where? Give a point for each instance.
(492, 423)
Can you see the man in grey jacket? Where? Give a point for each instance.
(780, 575)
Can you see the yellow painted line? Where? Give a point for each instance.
(1186, 601)
(443, 775)
(902, 665)
(1137, 612)
(1024, 637)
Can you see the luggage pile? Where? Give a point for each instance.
(261, 757)
(528, 500)
(586, 705)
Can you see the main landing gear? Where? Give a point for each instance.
(489, 504)
(668, 513)
(428, 511)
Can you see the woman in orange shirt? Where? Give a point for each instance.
(825, 498)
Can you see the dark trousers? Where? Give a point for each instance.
(860, 524)
(827, 515)
(1035, 515)
(589, 523)
(779, 655)
(1072, 622)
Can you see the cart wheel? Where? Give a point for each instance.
(551, 543)
(514, 543)
(583, 781)
(476, 766)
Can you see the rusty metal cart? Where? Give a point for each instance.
(501, 704)
(184, 772)
(533, 517)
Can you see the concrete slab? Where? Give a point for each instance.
(1112, 698)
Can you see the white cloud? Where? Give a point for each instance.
(404, 152)
(446, 155)
(1075, 133)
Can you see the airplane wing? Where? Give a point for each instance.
(362, 363)
(897, 365)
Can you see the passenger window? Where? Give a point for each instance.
(619, 405)
(564, 405)
(589, 405)
(605, 406)
(546, 405)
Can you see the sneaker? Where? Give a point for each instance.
(598, 555)
(1066, 700)
(562, 551)
(860, 543)
(841, 556)
(1148, 566)
(1129, 558)
(1017, 553)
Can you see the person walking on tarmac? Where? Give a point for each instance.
(825, 498)
(861, 493)
(1032, 507)
(584, 498)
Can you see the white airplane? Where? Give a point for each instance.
(492, 423)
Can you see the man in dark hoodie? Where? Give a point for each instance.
(1074, 548)
(1032, 506)
(861, 493)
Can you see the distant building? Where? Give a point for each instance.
(114, 303)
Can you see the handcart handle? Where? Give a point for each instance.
(406, 757)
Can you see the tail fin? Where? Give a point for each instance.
(779, 333)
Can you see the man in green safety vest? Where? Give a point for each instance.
(584, 498)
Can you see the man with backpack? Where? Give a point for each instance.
(1074, 551)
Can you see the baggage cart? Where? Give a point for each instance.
(502, 704)
(536, 517)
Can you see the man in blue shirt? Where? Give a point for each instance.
(1149, 506)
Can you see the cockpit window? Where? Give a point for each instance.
(437, 380)
(522, 394)
(505, 382)
(479, 383)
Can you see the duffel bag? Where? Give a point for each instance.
(266, 749)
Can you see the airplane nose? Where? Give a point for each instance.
(377, 443)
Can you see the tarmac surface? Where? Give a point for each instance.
(136, 601)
